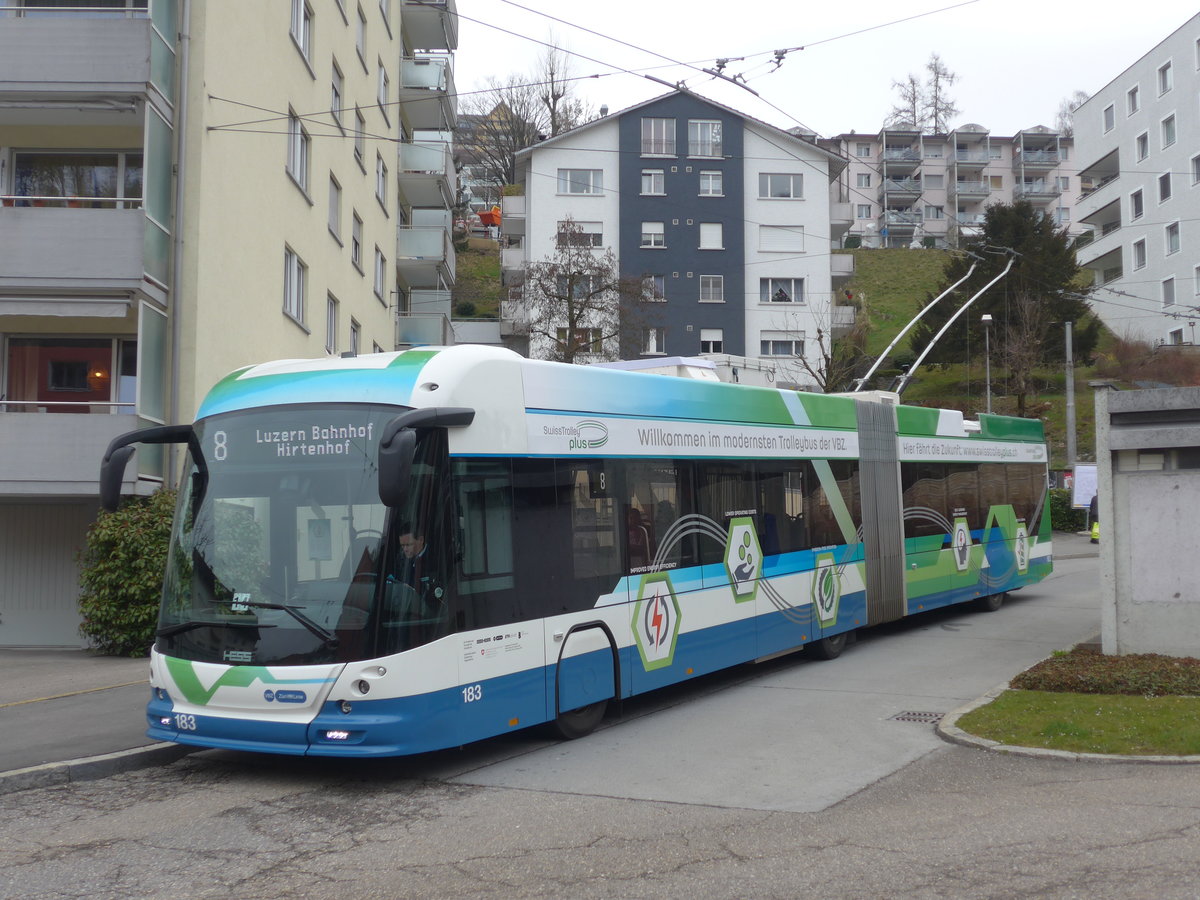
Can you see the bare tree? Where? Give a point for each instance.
(1064, 119)
(938, 108)
(1023, 350)
(562, 110)
(577, 306)
(909, 110)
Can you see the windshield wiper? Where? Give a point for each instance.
(181, 627)
(325, 635)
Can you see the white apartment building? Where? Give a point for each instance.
(186, 188)
(730, 220)
(909, 189)
(1139, 142)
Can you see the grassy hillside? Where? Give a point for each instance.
(891, 285)
(477, 282)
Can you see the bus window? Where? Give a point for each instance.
(593, 507)
(780, 488)
(657, 496)
(962, 493)
(993, 488)
(925, 504)
(834, 519)
(724, 491)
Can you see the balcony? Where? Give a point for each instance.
(512, 215)
(425, 256)
(1103, 251)
(899, 220)
(970, 190)
(89, 58)
(84, 262)
(1105, 218)
(972, 158)
(841, 266)
(1035, 159)
(841, 319)
(512, 260)
(427, 94)
(899, 187)
(58, 455)
(430, 24)
(423, 330)
(426, 173)
(1036, 191)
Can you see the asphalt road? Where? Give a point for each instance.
(791, 779)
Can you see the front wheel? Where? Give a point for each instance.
(991, 602)
(830, 647)
(577, 723)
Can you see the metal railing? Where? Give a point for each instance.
(1039, 157)
(107, 407)
(15, 11)
(60, 202)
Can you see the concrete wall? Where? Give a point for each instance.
(1148, 450)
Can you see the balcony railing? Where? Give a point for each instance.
(970, 187)
(902, 155)
(27, 200)
(895, 217)
(104, 407)
(901, 186)
(1036, 158)
(427, 91)
(431, 24)
(423, 329)
(50, 11)
(981, 157)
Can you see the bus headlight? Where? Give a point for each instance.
(362, 686)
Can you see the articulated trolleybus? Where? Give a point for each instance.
(403, 552)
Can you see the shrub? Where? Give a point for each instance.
(121, 574)
(1063, 516)
(465, 309)
(1087, 671)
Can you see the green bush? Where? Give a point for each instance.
(1063, 516)
(122, 574)
(1087, 671)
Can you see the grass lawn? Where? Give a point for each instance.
(1085, 702)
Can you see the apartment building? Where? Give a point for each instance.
(725, 218)
(187, 188)
(1139, 142)
(910, 189)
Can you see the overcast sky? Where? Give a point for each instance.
(1015, 59)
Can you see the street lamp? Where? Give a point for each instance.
(987, 357)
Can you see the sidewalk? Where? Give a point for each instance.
(69, 715)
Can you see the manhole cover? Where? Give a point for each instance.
(927, 718)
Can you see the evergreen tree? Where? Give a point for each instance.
(1029, 306)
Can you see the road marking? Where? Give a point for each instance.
(108, 687)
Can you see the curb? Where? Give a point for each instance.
(948, 730)
(91, 767)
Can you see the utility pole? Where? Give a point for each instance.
(987, 357)
(1070, 399)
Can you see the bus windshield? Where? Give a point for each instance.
(278, 541)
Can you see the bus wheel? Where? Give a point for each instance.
(991, 602)
(830, 647)
(577, 723)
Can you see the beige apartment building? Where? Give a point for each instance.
(905, 188)
(189, 187)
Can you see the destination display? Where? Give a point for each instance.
(308, 436)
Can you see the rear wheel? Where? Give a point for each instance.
(576, 723)
(991, 602)
(830, 647)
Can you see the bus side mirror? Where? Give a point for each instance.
(112, 473)
(395, 466)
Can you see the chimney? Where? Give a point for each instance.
(604, 110)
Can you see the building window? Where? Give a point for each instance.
(781, 343)
(1063, 183)
(862, 150)
(1196, 281)
(654, 341)
(863, 211)
(1132, 101)
(380, 273)
(295, 273)
(712, 340)
(780, 186)
(995, 182)
(712, 288)
(1142, 146)
(1062, 216)
(1136, 206)
(1139, 254)
(335, 208)
(654, 287)
(1175, 336)
(781, 238)
(654, 182)
(653, 234)
(1165, 79)
(1196, 169)
(864, 180)
(586, 340)
(381, 181)
(356, 237)
(299, 144)
(302, 20)
(1171, 233)
(1168, 292)
(1168, 131)
(580, 181)
(711, 236)
(355, 336)
(576, 286)
(360, 37)
(385, 10)
(658, 137)
(934, 182)
(781, 290)
(704, 138)
(935, 212)
(331, 320)
(360, 138)
(1110, 118)
(95, 180)
(580, 234)
(712, 184)
(336, 91)
(383, 96)
(1164, 187)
